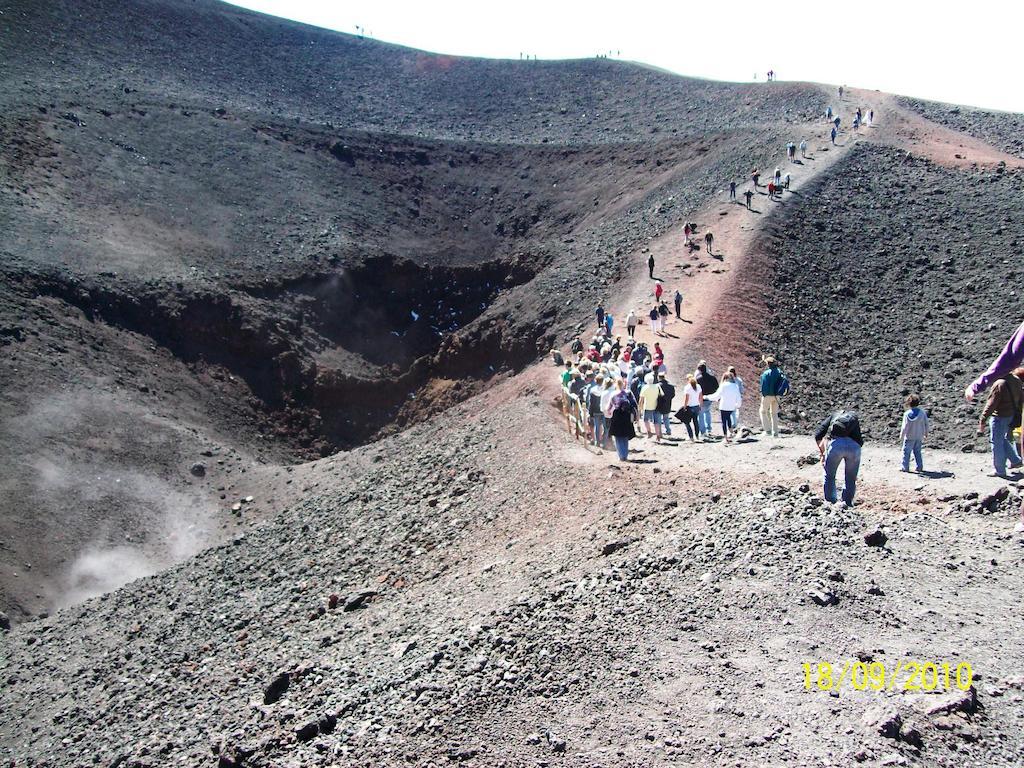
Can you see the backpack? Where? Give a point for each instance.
(594, 400)
(782, 385)
(842, 425)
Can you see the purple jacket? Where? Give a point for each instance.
(1011, 357)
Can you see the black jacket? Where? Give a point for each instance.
(621, 423)
(840, 424)
(707, 382)
(668, 391)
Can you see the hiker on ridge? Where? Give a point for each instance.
(679, 304)
(1003, 413)
(620, 420)
(709, 240)
(839, 440)
(708, 384)
(600, 315)
(650, 265)
(772, 379)
(631, 323)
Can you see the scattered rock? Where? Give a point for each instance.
(198, 469)
(882, 720)
(875, 538)
(358, 599)
(277, 688)
(612, 547)
(956, 701)
(911, 734)
(823, 598)
(307, 731)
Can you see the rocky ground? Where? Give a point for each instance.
(468, 584)
(1001, 129)
(425, 609)
(893, 275)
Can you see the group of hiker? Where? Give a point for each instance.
(625, 391)
(611, 375)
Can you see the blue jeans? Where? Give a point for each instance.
(842, 449)
(1003, 448)
(622, 447)
(666, 422)
(599, 428)
(912, 446)
(704, 417)
(689, 416)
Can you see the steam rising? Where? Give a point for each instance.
(98, 514)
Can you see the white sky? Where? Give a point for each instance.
(965, 52)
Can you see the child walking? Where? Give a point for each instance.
(915, 428)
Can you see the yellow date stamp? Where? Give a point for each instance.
(905, 675)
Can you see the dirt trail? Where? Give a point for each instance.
(722, 312)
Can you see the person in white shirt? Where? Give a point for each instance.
(736, 413)
(631, 323)
(729, 400)
(692, 397)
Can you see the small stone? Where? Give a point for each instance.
(198, 469)
(958, 701)
(5, 623)
(912, 735)
(875, 538)
(306, 732)
(612, 547)
(358, 599)
(823, 599)
(557, 744)
(882, 720)
(277, 687)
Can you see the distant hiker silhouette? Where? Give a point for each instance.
(732, 190)
(650, 265)
(709, 240)
(750, 196)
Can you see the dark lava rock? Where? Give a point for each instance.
(198, 469)
(5, 623)
(358, 599)
(882, 720)
(277, 687)
(875, 538)
(614, 546)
